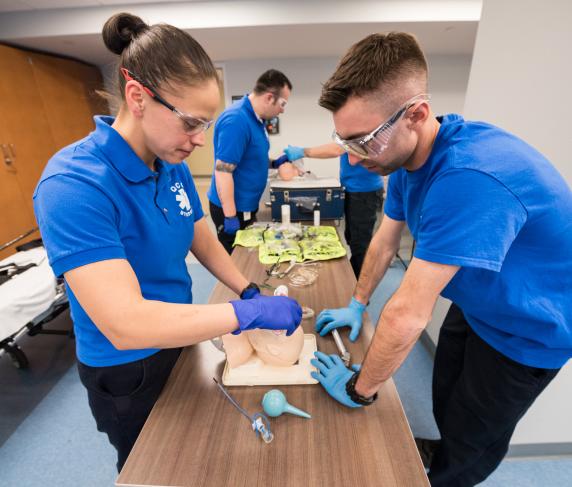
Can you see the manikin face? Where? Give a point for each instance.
(277, 348)
(358, 117)
(271, 347)
(164, 132)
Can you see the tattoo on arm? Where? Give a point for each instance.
(224, 167)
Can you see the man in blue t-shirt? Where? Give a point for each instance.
(363, 197)
(491, 218)
(241, 155)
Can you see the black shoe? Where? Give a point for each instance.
(426, 450)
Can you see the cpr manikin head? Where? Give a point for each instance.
(288, 171)
(277, 348)
(271, 347)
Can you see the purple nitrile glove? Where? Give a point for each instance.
(268, 312)
(231, 225)
(276, 163)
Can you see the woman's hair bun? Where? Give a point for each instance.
(120, 30)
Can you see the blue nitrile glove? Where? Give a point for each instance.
(231, 225)
(335, 318)
(276, 163)
(294, 153)
(334, 375)
(268, 312)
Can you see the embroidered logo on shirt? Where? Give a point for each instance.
(183, 199)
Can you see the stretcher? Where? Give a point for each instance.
(30, 296)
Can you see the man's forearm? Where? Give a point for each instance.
(225, 187)
(403, 319)
(393, 340)
(325, 151)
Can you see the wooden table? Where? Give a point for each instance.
(195, 437)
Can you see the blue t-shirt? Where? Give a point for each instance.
(97, 200)
(491, 204)
(240, 138)
(356, 178)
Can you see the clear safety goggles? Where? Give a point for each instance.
(192, 125)
(374, 143)
(282, 102)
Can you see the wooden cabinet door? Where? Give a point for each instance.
(67, 89)
(23, 121)
(46, 103)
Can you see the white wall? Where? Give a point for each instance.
(520, 79)
(305, 123)
(521, 75)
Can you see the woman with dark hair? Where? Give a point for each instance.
(118, 212)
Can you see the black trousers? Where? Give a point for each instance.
(360, 212)
(218, 218)
(479, 395)
(122, 396)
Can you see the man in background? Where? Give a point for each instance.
(241, 155)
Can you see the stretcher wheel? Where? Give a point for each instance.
(17, 356)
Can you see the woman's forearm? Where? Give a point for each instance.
(212, 255)
(155, 324)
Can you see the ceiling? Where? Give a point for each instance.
(232, 30)
(22, 5)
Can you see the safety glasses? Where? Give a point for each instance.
(282, 102)
(192, 125)
(374, 143)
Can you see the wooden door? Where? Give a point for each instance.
(201, 161)
(23, 122)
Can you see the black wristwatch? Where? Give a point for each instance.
(248, 290)
(354, 396)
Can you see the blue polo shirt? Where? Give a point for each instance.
(491, 204)
(356, 178)
(97, 200)
(240, 138)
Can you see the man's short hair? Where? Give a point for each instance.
(378, 59)
(272, 81)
